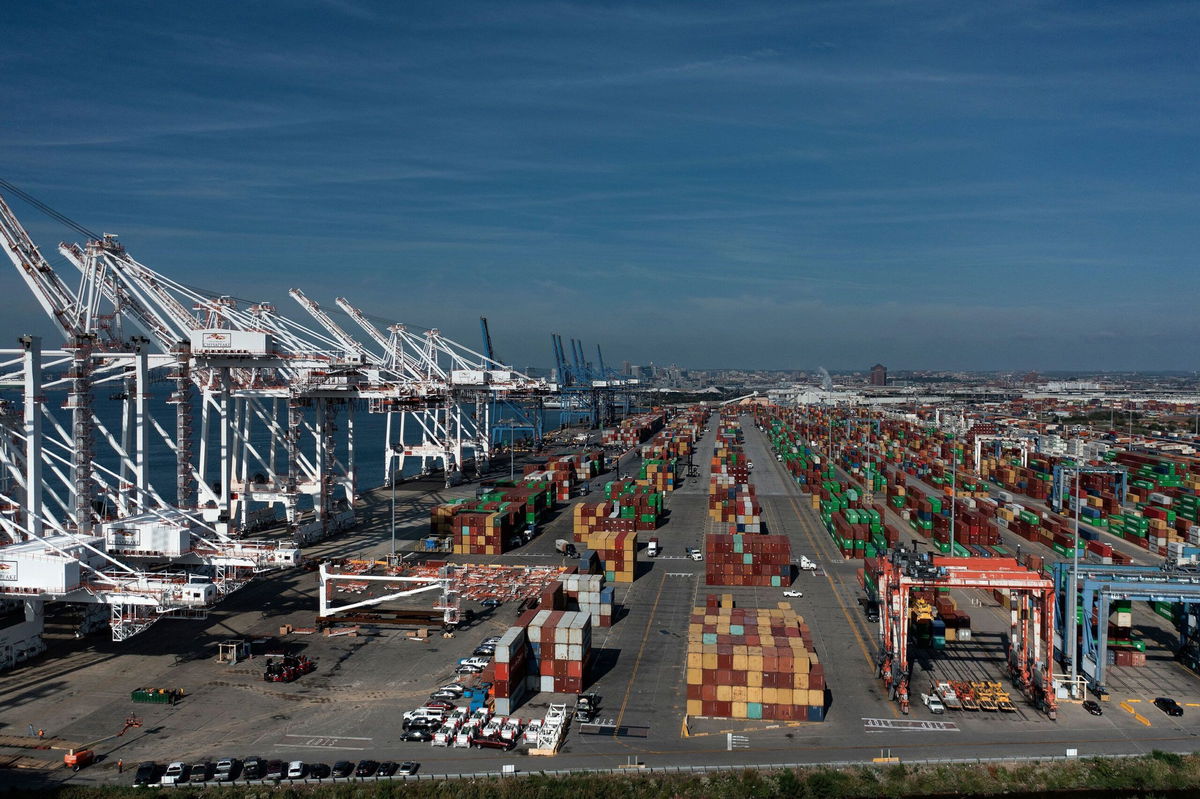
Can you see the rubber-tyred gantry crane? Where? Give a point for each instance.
(1031, 636)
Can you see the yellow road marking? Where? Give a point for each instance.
(1142, 719)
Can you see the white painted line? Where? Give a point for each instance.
(329, 737)
(321, 746)
(908, 725)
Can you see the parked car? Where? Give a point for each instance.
(366, 768)
(226, 769)
(475, 660)
(439, 705)
(1168, 706)
(296, 770)
(491, 603)
(146, 773)
(467, 668)
(176, 772)
(200, 772)
(417, 734)
(342, 768)
(386, 769)
(491, 639)
(484, 651)
(445, 696)
(253, 768)
(1093, 707)
(423, 723)
(408, 768)
(274, 770)
(453, 687)
(318, 771)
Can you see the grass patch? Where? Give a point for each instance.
(1161, 772)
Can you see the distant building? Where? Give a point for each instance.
(879, 375)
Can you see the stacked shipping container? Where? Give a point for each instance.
(752, 664)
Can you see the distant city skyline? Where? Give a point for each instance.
(940, 185)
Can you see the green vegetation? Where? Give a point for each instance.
(1155, 774)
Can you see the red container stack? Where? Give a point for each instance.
(737, 559)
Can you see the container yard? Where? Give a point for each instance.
(530, 605)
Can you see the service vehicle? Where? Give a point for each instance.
(806, 564)
(934, 704)
(793, 594)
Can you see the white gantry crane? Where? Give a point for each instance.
(255, 396)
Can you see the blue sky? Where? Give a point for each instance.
(1008, 185)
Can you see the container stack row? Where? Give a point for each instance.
(482, 533)
(747, 559)
(752, 664)
(635, 430)
(588, 594)
(560, 647)
(510, 671)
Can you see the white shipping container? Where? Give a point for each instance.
(562, 651)
(575, 652)
(547, 684)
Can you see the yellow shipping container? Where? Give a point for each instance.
(739, 710)
(740, 662)
(710, 660)
(739, 693)
(695, 676)
(754, 694)
(724, 693)
(695, 661)
(754, 678)
(694, 707)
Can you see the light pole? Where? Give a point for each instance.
(392, 480)
(953, 492)
(512, 469)
(1072, 618)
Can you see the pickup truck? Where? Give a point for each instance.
(652, 548)
(933, 703)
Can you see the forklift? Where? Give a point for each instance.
(85, 755)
